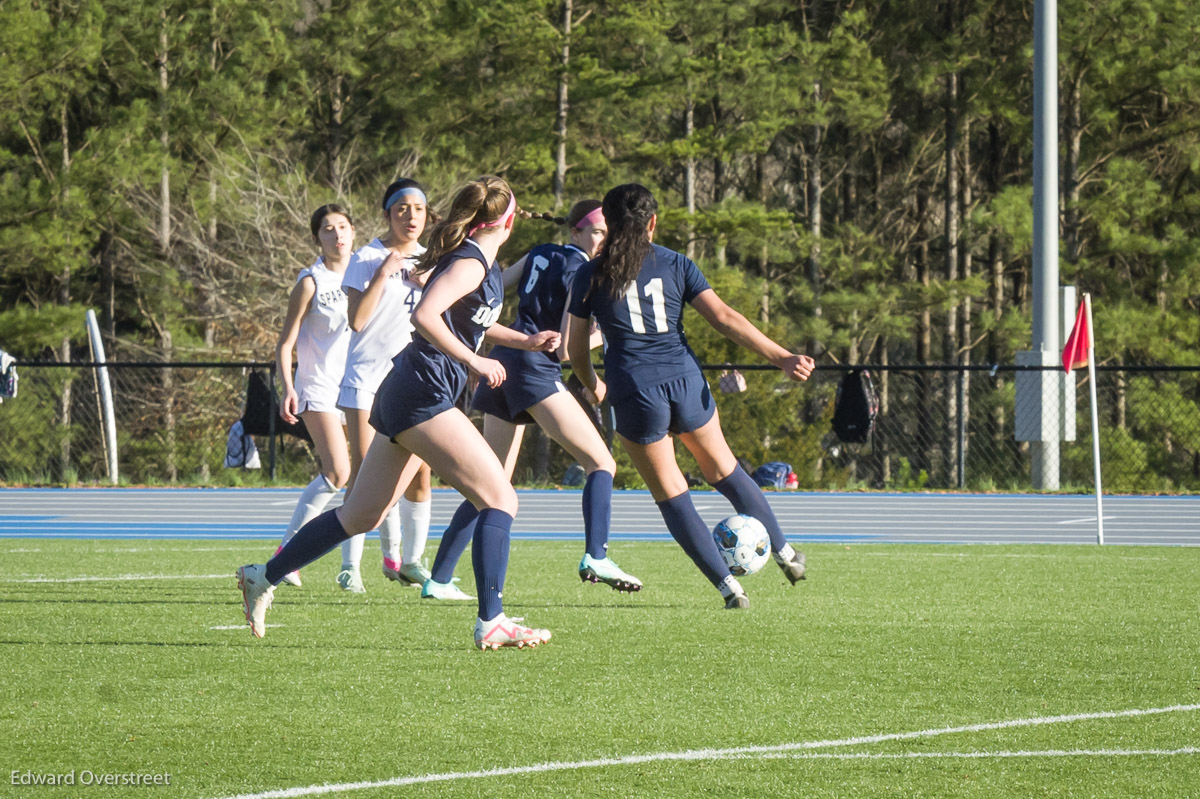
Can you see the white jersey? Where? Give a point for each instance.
(390, 327)
(324, 336)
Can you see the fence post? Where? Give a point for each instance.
(962, 429)
(271, 421)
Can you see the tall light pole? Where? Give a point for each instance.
(1039, 394)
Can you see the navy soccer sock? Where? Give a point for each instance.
(309, 543)
(597, 513)
(748, 499)
(693, 535)
(489, 556)
(454, 542)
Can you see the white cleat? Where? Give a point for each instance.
(414, 573)
(257, 596)
(350, 580)
(505, 631)
(606, 571)
(435, 590)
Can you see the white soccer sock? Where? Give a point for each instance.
(730, 586)
(415, 519)
(389, 535)
(313, 499)
(784, 555)
(352, 549)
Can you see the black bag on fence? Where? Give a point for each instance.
(855, 408)
(261, 405)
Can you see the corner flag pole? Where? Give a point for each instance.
(1091, 364)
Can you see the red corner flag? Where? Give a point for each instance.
(1075, 353)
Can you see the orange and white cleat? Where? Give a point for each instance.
(505, 631)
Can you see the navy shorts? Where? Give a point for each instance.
(531, 377)
(415, 392)
(678, 406)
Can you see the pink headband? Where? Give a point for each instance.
(512, 206)
(595, 216)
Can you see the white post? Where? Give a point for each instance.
(105, 391)
(1091, 361)
(1046, 347)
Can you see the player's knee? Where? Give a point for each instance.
(604, 463)
(338, 476)
(355, 522)
(505, 501)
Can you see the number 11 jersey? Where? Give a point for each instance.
(643, 326)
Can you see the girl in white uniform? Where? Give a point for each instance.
(317, 328)
(381, 292)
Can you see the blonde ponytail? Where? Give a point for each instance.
(482, 201)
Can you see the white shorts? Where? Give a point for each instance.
(322, 399)
(359, 399)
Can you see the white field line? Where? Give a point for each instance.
(154, 550)
(123, 578)
(907, 555)
(1187, 750)
(151, 550)
(782, 750)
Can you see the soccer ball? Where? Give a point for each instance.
(744, 544)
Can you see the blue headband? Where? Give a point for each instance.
(395, 198)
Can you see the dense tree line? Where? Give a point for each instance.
(855, 174)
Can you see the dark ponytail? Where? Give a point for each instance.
(578, 211)
(546, 217)
(627, 212)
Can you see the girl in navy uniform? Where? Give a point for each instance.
(534, 392)
(416, 417)
(636, 290)
(316, 326)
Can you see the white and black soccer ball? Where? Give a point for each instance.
(744, 544)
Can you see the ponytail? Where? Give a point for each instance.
(627, 212)
(573, 220)
(481, 203)
(551, 218)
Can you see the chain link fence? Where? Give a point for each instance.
(938, 428)
(172, 421)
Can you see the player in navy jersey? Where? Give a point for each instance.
(636, 290)
(534, 392)
(417, 419)
(316, 326)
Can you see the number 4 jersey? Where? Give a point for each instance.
(643, 326)
(390, 327)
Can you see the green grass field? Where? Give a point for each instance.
(883, 654)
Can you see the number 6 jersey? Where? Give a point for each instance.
(643, 327)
